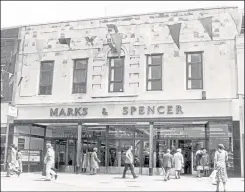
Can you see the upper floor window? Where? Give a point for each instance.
(194, 64)
(80, 76)
(21, 143)
(154, 72)
(242, 29)
(116, 74)
(46, 78)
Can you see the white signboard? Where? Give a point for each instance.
(12, 111)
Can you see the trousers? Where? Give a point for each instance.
(49, 171)
(131, 166)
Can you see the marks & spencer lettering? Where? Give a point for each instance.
(78, 111)
(151, 110)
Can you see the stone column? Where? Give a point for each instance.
(78, 152)
(151, 156)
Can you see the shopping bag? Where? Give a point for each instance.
(212, 177)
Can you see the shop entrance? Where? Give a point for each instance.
(65, 153)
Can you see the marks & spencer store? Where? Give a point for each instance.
(150, 127)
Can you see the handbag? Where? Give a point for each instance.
(199, 168)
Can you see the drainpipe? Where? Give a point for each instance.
(241, 114)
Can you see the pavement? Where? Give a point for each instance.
(101, 182)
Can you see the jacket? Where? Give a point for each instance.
(50, 155)
(94, 161)
(167, 160)
(129, 157)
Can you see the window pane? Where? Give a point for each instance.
(79, 88)
(195, 84)
(118, 62)
(154, 72)
(46, 78)
(118, 74)
(45, 90)
(116, 87)
(196, 71)
(81, 64)
(197, 57)
(156, 59)
(155, 85)
(47, 66)
(79, 76)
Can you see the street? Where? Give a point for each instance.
(73, 182)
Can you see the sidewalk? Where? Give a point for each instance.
(73, 182)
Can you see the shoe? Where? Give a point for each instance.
(165, 179)
(47, 180)
(123, 177)
(18, 173)
(168, 178)
(55, 177)
(7, 175)
(136, 177)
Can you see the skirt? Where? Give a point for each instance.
(221, 175)
(199, 168)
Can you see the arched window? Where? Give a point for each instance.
(116, 71)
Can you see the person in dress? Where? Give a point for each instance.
(12, 161)
(19, 159)
(49, 160)
(178, 163)
(220, 160)
(205, 163)
(199, 167)
(167, 161)
(94, 162)
(129, 163)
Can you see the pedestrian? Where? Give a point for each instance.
(19, 160)
(178, 163)
(220, 160)
(199, 167)
(129, 163)
(94, 162)
(49, 161)
(12, 161)
(205, 163)
(167, 164)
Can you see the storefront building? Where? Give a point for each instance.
(83, 89)
(9, 49)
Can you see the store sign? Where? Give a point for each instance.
(31, 156)
(125, 110)
(12, 111)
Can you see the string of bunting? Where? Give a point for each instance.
(174, 32)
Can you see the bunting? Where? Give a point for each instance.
(117, 40)
(11, 79)
(207, 25)
(20, 81)
(237, 17)
(175, 33)
(90, 39)
(39, 47)
(65, 41)
(112, 26)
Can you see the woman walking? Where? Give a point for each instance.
(199, 167)
(94, 162)
(220, 160)
(19, 159)
(178, 163)
(205, 163)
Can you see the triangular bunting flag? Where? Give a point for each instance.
(237, 17)
(39, 47)
(207, 25)
(65, 41)
(20, 81)
(175, 33)
(112, 26)
(11, 78)
(117, 40)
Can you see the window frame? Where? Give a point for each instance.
(23, 139)
(86, 74)
(147, 70)
(40, 77)
(195, 63)
(123, 71)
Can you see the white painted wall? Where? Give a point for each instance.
(218, 61)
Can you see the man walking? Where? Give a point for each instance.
(167, 164)
(49, 161)
(129, 163)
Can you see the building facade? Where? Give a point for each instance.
(153, 81)
(9, 45)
